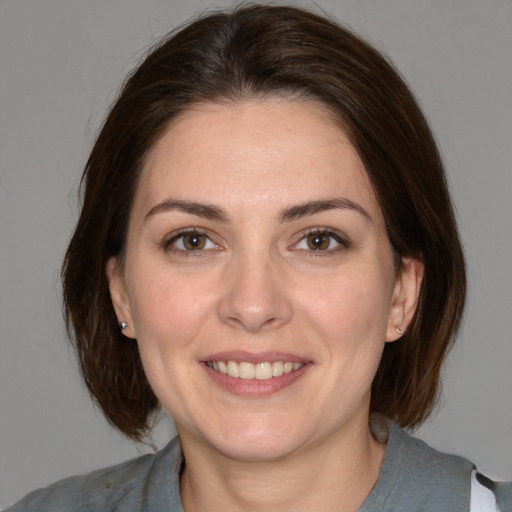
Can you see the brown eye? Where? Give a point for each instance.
(190, 241)
(194, 241)
(319, 241)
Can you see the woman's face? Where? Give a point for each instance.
(256, 247)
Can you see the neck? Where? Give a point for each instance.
(339, 471)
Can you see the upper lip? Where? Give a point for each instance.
(255, 357)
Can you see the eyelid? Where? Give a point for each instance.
(171, 238)
(339, 237)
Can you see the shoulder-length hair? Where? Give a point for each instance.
(261, 51)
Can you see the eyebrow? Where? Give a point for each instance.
(291, 213)
(206, 211)
(312, 207)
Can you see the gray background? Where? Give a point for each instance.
(61, 62)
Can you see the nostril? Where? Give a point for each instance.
(251, 324)
(253, 299)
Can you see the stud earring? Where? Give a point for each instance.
(123, 326)
(399, 331)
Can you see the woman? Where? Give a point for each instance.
(267, 250)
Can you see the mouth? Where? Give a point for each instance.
(264, 370)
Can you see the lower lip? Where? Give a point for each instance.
(255, 387)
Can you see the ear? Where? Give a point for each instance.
(119, 296)
(405, 298)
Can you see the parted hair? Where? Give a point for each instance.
(264, 51)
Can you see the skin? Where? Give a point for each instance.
(258, 286)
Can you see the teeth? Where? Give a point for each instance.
(277, 369)
(263, 371)
(260, 371)
(247, 371)
(233, 369)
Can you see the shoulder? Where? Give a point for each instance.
(415, 476)
(488, 495)
(418, 476)
(414, 458)
(436, 477)
(448, 472)
(114, 488)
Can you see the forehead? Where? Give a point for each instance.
(269, 151)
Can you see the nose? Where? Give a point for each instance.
(255, 296)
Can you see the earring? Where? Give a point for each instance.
(123, 326)
(399, 331)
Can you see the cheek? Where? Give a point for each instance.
(170, 317)
(169, 309)
(353, 302)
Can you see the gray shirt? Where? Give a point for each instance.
(413, 477)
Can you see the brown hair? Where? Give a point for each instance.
(267, 51)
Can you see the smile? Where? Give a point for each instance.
(259, 371)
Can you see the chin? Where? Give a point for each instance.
(258, 442)
(259, 450)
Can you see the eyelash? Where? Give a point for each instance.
(342, 242)
(167, 243)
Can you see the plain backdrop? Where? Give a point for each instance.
(61, 62)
